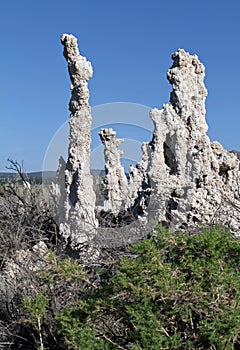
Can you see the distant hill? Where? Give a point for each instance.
(7, 176)
(38, 175)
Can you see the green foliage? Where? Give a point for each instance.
(182, 291)
(73, 321)
(78, 333)
(36, 308)
(67, 270)
(177, 291)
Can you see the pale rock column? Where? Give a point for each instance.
(115, 184)
(182, 178)
(192, 179)
(78, 223)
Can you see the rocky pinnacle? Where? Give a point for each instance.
(78, 222)
(183, 178)
(192, 179)
(115, 184)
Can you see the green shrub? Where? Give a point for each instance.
(36, 309)
(181, 292)
(78, 333)
(174, 291)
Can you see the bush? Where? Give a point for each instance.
(170, 291)
(25, 224)
(181, 292)
(177, 291)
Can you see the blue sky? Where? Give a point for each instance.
(129, 43)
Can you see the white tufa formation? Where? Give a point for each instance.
(182, 179)
(78, 222)
(192, 179)
(115, 184)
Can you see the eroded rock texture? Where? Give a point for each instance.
(182, 179)
(115, 184)
(192, 179)
(78, 222)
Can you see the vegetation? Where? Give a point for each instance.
(170, 291)
(178, 292)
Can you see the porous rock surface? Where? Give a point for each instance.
(77, 202)
(182, 179)
(192, 179)
(115, 184)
